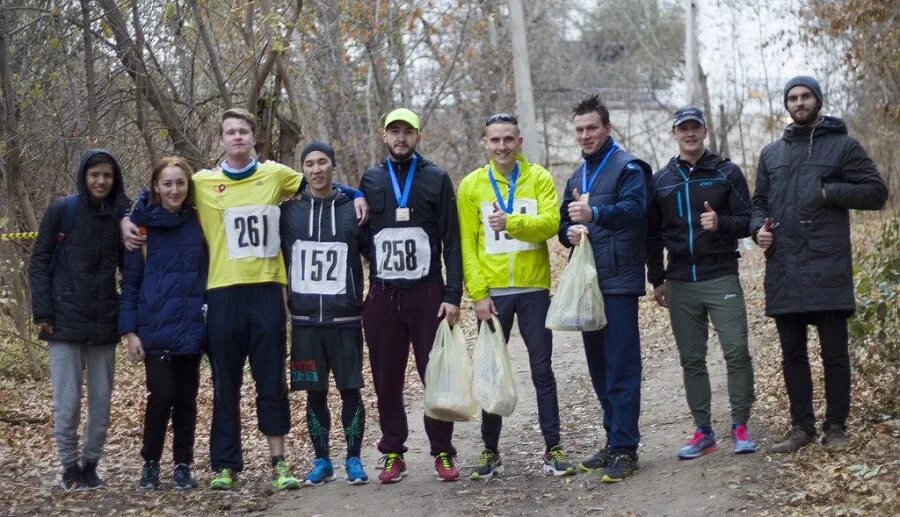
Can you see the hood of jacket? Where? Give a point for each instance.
(116, 198)
(827, 125)
(146, 214)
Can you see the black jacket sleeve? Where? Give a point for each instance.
(564, 221)
(736, 223)
(448, 225)
(655, 269)
(760, 210)
(40, 276)
(862, 187)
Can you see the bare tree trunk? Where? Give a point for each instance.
(213, 53)
(90, 74)
(522, 72)
(724, 125)
(707, 108)
(182, 136)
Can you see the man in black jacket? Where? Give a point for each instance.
(75, 302)
(806, 183)
(323, 245)
(699, 207)
(413, 222)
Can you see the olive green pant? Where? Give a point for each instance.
(691, 305)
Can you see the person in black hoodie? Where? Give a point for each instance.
(75, 302)
(413, 223)
(806, 183)
(323, 247)
(698, 208)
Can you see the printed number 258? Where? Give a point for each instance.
(399, 255)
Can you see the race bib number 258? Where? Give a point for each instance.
(252, 231)
(402, 253)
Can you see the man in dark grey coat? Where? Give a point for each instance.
(806, 183)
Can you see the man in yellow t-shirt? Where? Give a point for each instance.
(507, 211)
(237, 204)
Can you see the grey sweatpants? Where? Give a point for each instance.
(67, 364)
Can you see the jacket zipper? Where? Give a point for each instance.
(687, 202)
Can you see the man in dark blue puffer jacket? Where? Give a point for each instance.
(615, 219)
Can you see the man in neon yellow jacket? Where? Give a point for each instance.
(507, 211)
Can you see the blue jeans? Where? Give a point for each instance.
(614, 362)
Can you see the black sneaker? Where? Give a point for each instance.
(621, 465)
(835, 438)
(150, 475)
(72, 479)
(599, 460)
(89, 474)
(182, 478)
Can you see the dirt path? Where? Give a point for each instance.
(716, 484)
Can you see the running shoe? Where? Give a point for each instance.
(282, 479)
(444, 468)
(356, 475)
(698, 445)
(224, 480)
(741, 440)
(489, 465)
(321, 472)
(394, 468)
(556, 463)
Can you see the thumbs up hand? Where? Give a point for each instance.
(709, 220)
(764, 236)
(579, 210)
(497, 219)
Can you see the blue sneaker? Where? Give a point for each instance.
(698, 445)
(321, 472)
(742, 442)
(355, 473)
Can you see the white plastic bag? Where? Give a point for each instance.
(448, 377)
(494, 386)
(578, 304)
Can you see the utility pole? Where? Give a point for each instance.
(522, 73)
(691, 56)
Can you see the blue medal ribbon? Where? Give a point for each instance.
(585, 185)
(402, 197)
(508, 206)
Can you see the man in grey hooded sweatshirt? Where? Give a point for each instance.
(806, 184)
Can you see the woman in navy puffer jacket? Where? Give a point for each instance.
(162, 315)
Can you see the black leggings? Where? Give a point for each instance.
(172, 383)
(318, 421)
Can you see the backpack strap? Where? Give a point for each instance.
(70, 205)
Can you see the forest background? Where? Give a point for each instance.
(145, 78)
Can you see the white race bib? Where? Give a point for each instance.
(501, 242)
(319, 267)
(402, 253)
(252, 231)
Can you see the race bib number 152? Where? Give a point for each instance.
(252, 231)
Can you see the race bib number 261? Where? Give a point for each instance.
(252, 231)
(402, 253)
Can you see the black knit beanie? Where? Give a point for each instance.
(318, 146)
(803, 80)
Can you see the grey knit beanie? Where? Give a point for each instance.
(322, 147)
(803, 80)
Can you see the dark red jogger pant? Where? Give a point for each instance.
(392, 318)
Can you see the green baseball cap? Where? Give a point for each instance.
(402, 115)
